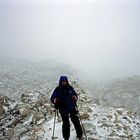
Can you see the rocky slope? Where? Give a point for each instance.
(18, 76)
(122, 92)
(27, 114)
(31, 118)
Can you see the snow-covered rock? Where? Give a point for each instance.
(121, 92)
(2, 111)
(30, 116)
(19, 76)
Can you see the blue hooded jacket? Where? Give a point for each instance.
(64, 94)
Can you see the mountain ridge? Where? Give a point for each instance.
(19, 75)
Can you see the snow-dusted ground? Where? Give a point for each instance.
(103, 124)
(48, 127)
(29, 117)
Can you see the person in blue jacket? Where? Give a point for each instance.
(64, 99)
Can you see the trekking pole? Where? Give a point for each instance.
(81, 123)
(54, 124)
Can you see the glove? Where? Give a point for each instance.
(74, 98)
(57, 102)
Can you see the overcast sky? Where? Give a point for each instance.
(101, 37)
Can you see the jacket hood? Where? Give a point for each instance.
(63, 78)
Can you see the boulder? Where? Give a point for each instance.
(2, 111)
(10, 132)
(13, 122)
(41, 121)
(85, 116)
(2, 100)
(23, 108)
(25, 112)
(20, 130)
(37, 117)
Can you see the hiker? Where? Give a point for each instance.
(64, 99)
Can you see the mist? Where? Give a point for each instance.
(99, 37)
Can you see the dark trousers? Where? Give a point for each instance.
(66, 124)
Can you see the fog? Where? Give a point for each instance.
(99, 37)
